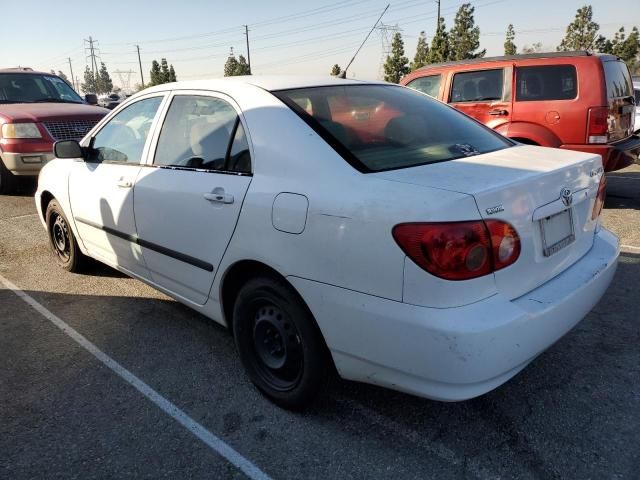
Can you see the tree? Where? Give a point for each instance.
(396, 65)
(243, 66)
(104, 84)
(231, 65)
(623, 46)
(582, 33)
(172, 74)
(535, 48)
(89, 85)
(439, 44)
(464, 37)
(336, 70)
(164, 71)
(421, 58)
(510, 47)
(156, 74)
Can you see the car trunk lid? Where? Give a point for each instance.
(524, 187)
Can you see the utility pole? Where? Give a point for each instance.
(92, 56)
(73, 81)
(140, 63)
(438, 18)
(246, 33)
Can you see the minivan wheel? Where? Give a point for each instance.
(279, 343)
(7, 180)
(61, 239)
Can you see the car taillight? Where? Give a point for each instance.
(598, 128)
(599, 203)
(459, 250)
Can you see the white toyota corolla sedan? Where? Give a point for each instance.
(338, 223)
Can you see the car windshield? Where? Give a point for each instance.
(384, 127)
(35, 88)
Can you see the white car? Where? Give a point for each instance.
(337, 223)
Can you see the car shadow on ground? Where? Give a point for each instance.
(573, 413)
(623, 190)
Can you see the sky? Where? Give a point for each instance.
(286, 37)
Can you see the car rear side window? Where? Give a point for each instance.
(546, 82)
(198, 132)
(477, 86)
(382, 127)
(618, 79)
(429, 85)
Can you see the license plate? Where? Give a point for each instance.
(557, 232)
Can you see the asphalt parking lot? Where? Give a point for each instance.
(573, 413)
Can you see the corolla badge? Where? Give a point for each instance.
(566, 196)
(494, 210)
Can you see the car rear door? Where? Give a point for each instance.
(101, 188)
(483, 94)
(188, 198)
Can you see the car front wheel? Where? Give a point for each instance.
(280, 345)
(7, 180)
(62, 240)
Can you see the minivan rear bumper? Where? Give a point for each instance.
(615, 156)
(456, 353)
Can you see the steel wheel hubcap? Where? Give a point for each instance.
(60, 236)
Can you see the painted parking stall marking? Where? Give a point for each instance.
(212, 441)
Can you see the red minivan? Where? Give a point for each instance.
(572, 100)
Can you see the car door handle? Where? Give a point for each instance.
(498, 112)
(122, 183)
(219, 197)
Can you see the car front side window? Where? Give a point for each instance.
(123, 138)
(203, 133)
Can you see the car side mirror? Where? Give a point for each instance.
(91, 98)
(67, 149)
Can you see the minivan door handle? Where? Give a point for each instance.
(218, 196)
(498, 112)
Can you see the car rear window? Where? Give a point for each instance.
(429, 85)
(546, 82)
(618, 79)
(478, 86)
(383, 127)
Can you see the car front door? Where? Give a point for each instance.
(101, 187)
(483, 94)
(187, 201)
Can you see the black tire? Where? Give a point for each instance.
(7, 180)
(62, 240)
(280, 344)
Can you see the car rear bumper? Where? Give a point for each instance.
(615, 156)
(25, 163)
(453, 354)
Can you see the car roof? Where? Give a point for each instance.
(526, 56)
(266, 82)
(26, 70)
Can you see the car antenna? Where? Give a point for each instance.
(343, 74)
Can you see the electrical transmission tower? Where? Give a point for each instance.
(125, 79)
(386, 37)
(92, 52)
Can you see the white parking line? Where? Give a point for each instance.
(208, 438)
(630, 247)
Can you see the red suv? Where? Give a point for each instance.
(37, 109)
(572, 100)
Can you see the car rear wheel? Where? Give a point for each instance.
(7, 180)
(62, 240)
(280, 345)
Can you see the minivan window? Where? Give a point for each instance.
(381, 127)
(429, 85)
(618, 79)
(546, 82)
(478, 86)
